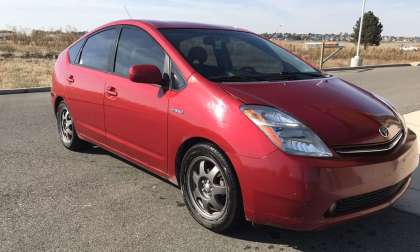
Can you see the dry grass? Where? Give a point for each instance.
(387, 53)
(27, 60)
(51, 42)
(21, 73)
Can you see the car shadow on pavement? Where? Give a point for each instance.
(389, 230)
(96, 150)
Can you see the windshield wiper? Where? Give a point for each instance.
(312, 74)
(236, 78)
(267, 77)
(289, 76)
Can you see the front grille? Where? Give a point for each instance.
(365, 201)
(370, 148)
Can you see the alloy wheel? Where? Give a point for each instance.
(207, 188)
(66, 126)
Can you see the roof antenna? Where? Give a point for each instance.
(127, 12)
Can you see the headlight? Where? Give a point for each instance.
(286, 132)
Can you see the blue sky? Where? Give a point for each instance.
(301, 16)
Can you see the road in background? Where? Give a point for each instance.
(400, 85)
(55, 199)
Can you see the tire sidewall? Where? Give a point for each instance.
(231, 212)
(74, 143)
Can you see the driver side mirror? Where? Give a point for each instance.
(146, 74)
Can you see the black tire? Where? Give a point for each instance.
(67, 132)
(231, 215)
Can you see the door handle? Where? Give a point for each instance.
(70, 79)
(111, 91)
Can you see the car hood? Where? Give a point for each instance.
(339, 112)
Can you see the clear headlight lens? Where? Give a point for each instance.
(286, 132)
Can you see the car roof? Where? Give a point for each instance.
(158, 24)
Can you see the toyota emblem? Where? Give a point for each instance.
(384, 131)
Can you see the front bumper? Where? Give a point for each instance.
(297, 192)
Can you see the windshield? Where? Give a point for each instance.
(234, 56)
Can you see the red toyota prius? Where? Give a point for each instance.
(245, 128)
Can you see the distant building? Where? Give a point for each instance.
(6, 35)
(343, 37)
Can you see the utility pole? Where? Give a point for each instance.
(357, 60)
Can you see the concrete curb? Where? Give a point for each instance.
(24, 90)
(410, 202)
(365, 67)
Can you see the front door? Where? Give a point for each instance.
(136, 113)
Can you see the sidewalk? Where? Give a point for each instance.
(411, 200)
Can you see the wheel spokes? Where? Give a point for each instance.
(219, 190)
(196, 178)
(208, 188)
(66, 125)
(197, 193)
(201, 169)
(213, 173)
(69, 132)
(215, 204)
(206, 204)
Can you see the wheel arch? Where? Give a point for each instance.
(187, 144)
(57, 101)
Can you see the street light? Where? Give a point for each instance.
(357, 60)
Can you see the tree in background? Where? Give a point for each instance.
(372, 30)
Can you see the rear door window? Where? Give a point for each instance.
(98, 50)
(136, 47)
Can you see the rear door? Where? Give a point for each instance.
(86, 79)
(136, 113)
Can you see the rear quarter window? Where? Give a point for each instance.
(74, 51)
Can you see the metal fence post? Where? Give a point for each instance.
(321, 61)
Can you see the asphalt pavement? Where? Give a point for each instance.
(399, 85)
(55, 199)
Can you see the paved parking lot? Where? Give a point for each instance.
(54, 199)
(400, 85)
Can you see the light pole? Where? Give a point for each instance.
(357, 60)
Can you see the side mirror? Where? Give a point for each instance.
(145, 74)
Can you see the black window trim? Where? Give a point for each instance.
(114, 53)
(171, 63)
(109, 64)
(167, 67)
(76, 60)
(112, 57)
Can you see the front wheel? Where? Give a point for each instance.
(210, 188)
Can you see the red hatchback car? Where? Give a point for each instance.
(245, 128)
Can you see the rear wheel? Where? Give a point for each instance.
(210, 188)
(66, 130)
